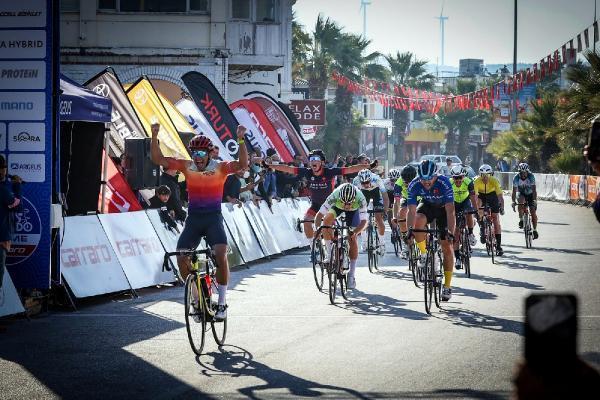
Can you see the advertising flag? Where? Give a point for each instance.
(145, 101)
(201, 126)
(181, 124)
(214, 108)
(118, 197)
(124, 121)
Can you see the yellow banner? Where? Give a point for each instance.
(181, 124)
(150, 109)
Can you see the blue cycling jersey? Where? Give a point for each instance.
(441, 192)
(525, 186)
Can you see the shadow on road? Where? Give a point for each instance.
(553, 223)
(506, 282)
(474, 319)
(530, 267)
(554, 249)
(376, 304)
(478, 294)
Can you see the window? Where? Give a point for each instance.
(174, 6)
(107, 4)
(69, 5)
(240, 9)
(265, 10)
(198, 5)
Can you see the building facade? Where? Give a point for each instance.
(240, 45)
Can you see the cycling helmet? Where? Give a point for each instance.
(457, 171)
(364, 176)
(394, 174)
(408, 173)
(200, 142)
(427, 169)
(347, 193)
(318, 153)
(523, 167)
(485, 169)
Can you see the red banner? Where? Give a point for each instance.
(118, 197)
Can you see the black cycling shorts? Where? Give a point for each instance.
(374, 195)
(437, 214)
(491, 200)
(528, 198)
(352, 217)
(464, 206)
(197, 226)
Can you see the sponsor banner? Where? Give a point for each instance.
(30, 167)
(501, 126)
(287, 224)
(180, 123)
(582, 188)
(10, 303)
(23, 14)
(124, 122)
(22, 106)
(214, 108)
(294, 213)
(256, 135)
(593, 188)
(309, 112)
(27, 136)
(574, 186)
(282, 125)
(87, 261)
(266, 130)
(2, 136)
(80, 104)
(561, 187)
(260, 227)
(119, 198)
(24, 75)
(201, 126)
(145, 101)
(241, 232)
(168, 231)
(278, 229)
(137, 247)
(234, 256)
(22, 44)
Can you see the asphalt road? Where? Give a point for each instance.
(285, 340)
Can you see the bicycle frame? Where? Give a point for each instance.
(432, 282)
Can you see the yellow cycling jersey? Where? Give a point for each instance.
(492, 186)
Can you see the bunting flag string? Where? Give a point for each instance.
(406, 98)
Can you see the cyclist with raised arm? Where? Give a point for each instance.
(347, 200)
(437, 204)
(400, 206)
(320, 181)
(464, 198)
(524, 184)
(489, 192)
(205, 192)
(373, 188)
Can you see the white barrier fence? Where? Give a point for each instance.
(115, 252)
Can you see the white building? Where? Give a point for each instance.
(241, 45)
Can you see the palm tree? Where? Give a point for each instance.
(301, 45)
(406, 70)
(318, 67)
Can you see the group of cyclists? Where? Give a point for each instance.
(414, 197)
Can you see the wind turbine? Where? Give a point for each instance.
(363, 8)
(442, 22)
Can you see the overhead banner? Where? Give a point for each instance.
(256, 132)
(145, 100)
(87, 260)
(124, 121)
(214, 108)
(119, 197)
(29, 118)
(281, 123)
(137, 247)
(10, 303)
(200, 125)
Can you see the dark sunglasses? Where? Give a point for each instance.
(199, 153)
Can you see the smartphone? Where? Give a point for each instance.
(594, 141)
(550, 330)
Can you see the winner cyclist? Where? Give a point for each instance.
(205, 191)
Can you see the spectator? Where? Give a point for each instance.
(160, 198)
(445, 170)
(592, 155)
(235, 185)
(169, 178)
(502, 165)
(298, 162)
(8, 201)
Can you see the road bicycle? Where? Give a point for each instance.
(396, 238)
(372, 242)
(487, 224)
(413, 264)
(339, 259)
(317, 254)
(200, 298)
(527, 225)
(464, 246)
(432, 279)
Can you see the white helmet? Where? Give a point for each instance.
(394, 174)
(485, 169)
(364, 176)
(523, 167)
(457, 170)
(347, 192)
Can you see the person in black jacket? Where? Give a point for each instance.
(175, 203)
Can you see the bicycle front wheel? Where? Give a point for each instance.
(318, 258)
(195, 314)
(219, 328)
(333, 272)
(428, 283)
(397, 242)
(412, 264)
(438, 282)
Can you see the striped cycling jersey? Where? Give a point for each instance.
(524, 186)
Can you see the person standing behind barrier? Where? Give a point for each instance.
(205, 192)
(169, 179)
(235, 185)
(8, 201)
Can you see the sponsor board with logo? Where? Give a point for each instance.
(501, 126)
(22, 106)
(24, 75)
(30, 167)
(23, 14)
(22, 44)
(27, 136)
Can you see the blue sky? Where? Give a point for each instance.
(475, 28)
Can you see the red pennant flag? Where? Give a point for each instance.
(564, 54)
(542, 69)
(556, 61)
(535, 73)
(550, 65)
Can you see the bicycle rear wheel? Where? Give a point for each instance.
(428, 283)
(412, 265)
(438, 282)
(370, 249)
(318, 257)
(492, 240)
(397, 241)
(465, 253)
(332, 273)
(219, 328)
(195, 314)
(376, 252)
(343, 274)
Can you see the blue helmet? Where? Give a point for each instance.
(427, 170)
